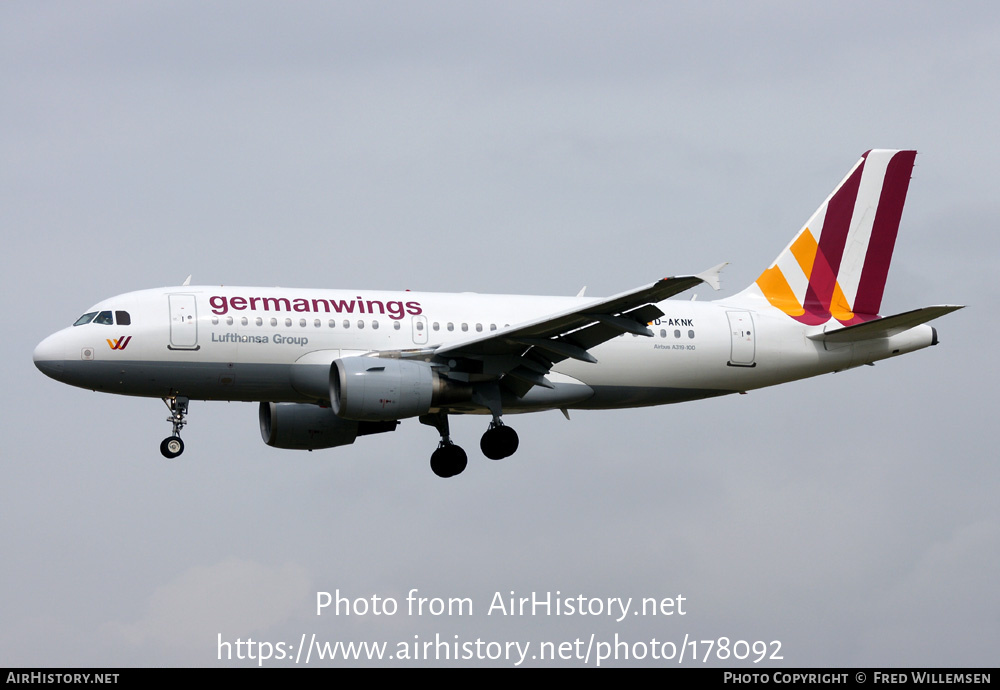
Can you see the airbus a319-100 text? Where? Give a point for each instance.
(328, 366)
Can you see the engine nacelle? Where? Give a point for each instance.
(376, 389)
(303, 426)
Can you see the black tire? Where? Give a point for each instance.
(172, 446)
(448, 461)
(499, 442)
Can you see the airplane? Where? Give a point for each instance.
(328, 366)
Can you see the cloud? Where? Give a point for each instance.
(234, 598)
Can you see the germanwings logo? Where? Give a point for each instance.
(837, 265)
(119, 343)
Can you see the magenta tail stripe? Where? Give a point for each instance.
(836, 225)
(883, 239)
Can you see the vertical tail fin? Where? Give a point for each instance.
(837, 265)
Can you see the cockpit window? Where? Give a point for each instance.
(123, 318)
(104, 318)
(86, 318)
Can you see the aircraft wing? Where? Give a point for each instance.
(527, 351)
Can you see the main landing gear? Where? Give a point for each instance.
(172, 446)
(448, 460)
(499, 441)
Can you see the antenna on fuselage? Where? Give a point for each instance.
(187, 281)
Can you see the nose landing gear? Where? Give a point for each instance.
(172, 446)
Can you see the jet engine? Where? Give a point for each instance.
(375, 389)
(303, 426)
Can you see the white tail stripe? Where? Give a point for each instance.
(798, 281)
(862, 221)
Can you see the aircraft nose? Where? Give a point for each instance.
(48, 357)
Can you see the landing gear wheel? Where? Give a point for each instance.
(448, 460)
(172, 446)
(499, 442)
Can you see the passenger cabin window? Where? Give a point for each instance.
(86, 318)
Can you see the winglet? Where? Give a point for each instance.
(711, 276)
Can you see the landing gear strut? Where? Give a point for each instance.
(449, 459)
(499, 441)
(172, 446)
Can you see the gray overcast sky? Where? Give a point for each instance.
(497, 147)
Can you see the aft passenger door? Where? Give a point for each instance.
(742, 339)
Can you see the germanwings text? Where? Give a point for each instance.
(394, 309)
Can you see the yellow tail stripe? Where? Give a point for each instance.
(804, 250)
(778, 292)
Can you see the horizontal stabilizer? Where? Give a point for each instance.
(886, 326)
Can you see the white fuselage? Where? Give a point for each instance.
(277, 344)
